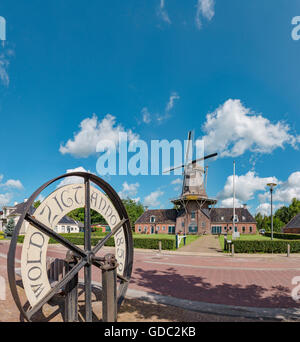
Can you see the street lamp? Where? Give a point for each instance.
(271, 186)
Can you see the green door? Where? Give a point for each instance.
(171, 230)
(193, 229)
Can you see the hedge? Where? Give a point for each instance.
(284, 236)
(266, 246)
(138, 242)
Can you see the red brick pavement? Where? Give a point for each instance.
(240, 281)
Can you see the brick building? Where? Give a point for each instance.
(201, 221)
(293, 227)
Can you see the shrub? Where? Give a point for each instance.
(266, 246)
(138, 241)
(284, 236)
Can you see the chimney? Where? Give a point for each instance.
(146, 208)
(245, 205)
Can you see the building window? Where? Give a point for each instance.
(140, 228)
(164, 228)
(182, 224)
(152, 219)
(250, 229)
(222, 218)
(244, 229)
(243, 218)
(145, 229)
(203, 224)
(236, 218)
(193, 215)
(230, 228)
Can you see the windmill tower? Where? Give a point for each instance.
(193, 204)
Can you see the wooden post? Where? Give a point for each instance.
(288, 249)
(159, 246)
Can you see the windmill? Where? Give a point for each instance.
(193, 205)
(194, 174)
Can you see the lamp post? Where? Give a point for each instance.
(271, 186)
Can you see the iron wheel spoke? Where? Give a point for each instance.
(49, 232)
(56, 288)
(101, 243)
(124, 279)
(87, 248)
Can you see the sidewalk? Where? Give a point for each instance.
(208, 244)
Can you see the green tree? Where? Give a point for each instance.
(10, 227)
(78, 215)
(283, 214)
(36, 204)
(134, 210)
(259, 220)
(294, 209)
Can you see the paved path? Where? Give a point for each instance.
(241, 281)
(205, 244)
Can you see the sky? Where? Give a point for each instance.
(73, 73)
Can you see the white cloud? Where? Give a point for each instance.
(91, 133)
(129, 190)
(146, 115)
(245, 187)
(285, 191)
(174, 96)
(228, 203)
(205, 8)
(73, 179)
(170, 105)
(4, 63)
(12, 183)
(177, 181)
(152, 200)
(9, 186)
(162, 12)
(265, 208)
(232, 129)
(5, 199)
(160, 117)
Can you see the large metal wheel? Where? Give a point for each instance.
(86, 257)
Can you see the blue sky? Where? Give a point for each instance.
(229, 70)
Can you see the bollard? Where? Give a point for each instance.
(109, 289)
(232, 250)
(159, 246)
(288, 250)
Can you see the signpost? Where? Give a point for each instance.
(100, 197)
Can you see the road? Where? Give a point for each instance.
(264, 282)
